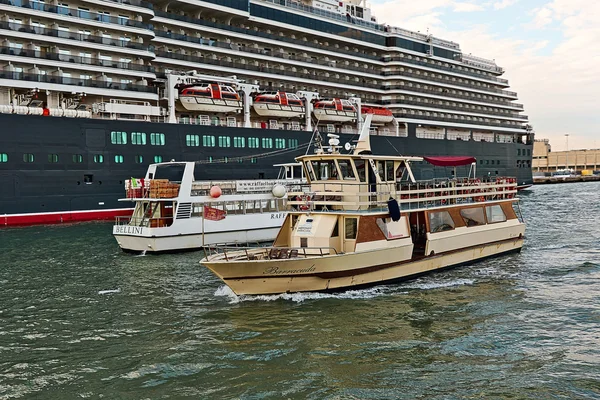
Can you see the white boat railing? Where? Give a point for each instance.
(229, 253)
(410, 196)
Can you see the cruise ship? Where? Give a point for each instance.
(93, 91)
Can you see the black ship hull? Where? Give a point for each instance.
(64, 169)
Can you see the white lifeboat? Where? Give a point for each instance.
(337, 110)
(278, 104)
(380, 114)
(210, 97)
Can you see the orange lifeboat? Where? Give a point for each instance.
(278, 104)
(380, 114)
(210, 97)
(337, 110)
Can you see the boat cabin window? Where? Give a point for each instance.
(172, 172)
(473, 216)
(440, 221)
(309, 171)
(385, 170)
(350, 228)
(495, 214)
(197, 209)
(325, 169)
(336, 230)
(346, 169)
(361, 170)
(400, 171)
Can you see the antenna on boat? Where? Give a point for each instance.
(364, 142)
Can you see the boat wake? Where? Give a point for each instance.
(428, 285)
(225, 291)
(362, 294)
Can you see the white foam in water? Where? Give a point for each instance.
(427, 285)
(142, 254)
(225, 291)
(118, 290)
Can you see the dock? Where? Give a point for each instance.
(546, 180)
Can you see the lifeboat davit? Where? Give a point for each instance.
(380, 114)
(337, 110)
(278, 104)
(210, 97)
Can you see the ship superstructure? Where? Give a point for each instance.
(144, 73)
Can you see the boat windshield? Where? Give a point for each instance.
(325, 169)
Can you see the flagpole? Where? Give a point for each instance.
(203, 217)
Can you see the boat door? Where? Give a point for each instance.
(418, 233)
(283, 98)
(350, 225)
(216, 91)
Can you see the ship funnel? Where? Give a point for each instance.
(364, 142)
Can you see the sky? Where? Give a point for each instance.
(550, 50)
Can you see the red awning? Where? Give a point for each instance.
(450, 161)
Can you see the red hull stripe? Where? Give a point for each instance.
(62, 217)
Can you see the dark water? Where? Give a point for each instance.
(79, 319)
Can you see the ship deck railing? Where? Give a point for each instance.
(229, 253)
(340, 195)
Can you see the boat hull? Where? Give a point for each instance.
(277, 110)
(159, 244)
(362, 269)
(187, 234)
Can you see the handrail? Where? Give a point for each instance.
(20, 52)
(4, 74)
(423, 194)
(77, 13)
(84, 37)
(268, 253)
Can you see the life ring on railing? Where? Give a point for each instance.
(306, 199)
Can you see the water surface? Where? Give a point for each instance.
(81, 319)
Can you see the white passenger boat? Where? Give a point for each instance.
(365, 221)
(175, 212)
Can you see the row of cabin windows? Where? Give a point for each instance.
(119, 159)
(78, 158)
(526, 152)
(242, 207)
(137, 138)
(440, 221)
(240, 142)
(489, 162)
(158, 139)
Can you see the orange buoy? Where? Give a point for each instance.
(215, 192)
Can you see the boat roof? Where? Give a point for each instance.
(359, 156)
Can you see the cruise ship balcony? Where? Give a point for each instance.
(451, 82)
(439, 105)
(448, 93)
(57, 37)
(458, 121)
(77, 15)
(9, 77)
(236, 50)
(303, 75)
(20, 55)
(248, 33)
(443, 66)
